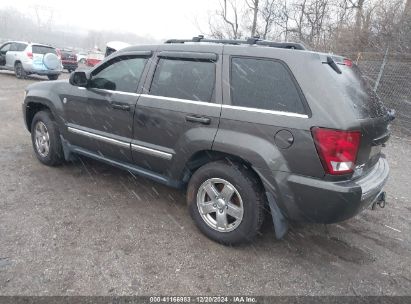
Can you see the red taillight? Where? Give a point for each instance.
(337, 149)
(348, 62)
(30, 55)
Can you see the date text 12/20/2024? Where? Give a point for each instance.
(206, 299)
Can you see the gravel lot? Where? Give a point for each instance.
(86, 228)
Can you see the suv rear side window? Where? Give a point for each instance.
(18, 47)
(264, 84)
(13, 47)
(185, 79)
(41, 49)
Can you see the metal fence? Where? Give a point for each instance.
(390, 75)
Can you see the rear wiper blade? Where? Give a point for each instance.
(330, 61)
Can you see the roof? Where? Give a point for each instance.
(117, 45)
(199, 44)
(249, 41)
(29, 43)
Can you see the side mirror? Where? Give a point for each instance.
(79, 79)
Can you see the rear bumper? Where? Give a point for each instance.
(29, 69)
(46, 72)
(319, 201)
(70, 65)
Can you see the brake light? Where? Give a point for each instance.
(337, 149)
(30, 55)
(347, 62)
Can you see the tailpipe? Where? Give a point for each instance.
(380, 201)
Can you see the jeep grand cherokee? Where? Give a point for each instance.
(243, 126)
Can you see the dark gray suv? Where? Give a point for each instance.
(244, 126)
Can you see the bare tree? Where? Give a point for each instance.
(268, 15)
(327, 25)
(254, 6)
(229, 12)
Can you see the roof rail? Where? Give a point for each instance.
(250, 41)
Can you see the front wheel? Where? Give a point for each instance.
(53, 77)
(46, 139)
(226, 201)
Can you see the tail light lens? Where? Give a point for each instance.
(337, 149)
(347, 62)
(30, 55)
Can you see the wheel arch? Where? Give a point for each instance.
(202, 157)
(34, 106)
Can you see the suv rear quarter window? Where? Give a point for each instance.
(184, 79)
(264, 84)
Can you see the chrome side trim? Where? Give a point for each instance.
(116, 92)
(195, 102)
(110, 91)
(210, 104)
(99, 137)
(290, 114)
(152, 152)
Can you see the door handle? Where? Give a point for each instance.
(120, 106)
(200, 119)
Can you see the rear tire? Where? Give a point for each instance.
(19, 71)
(235, 214)
(53, 77)
(45, 138)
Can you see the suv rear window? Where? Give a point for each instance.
(41, 49)
(264, 84)
(364, 100)
(185, 79)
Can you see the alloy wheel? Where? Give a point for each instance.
(220, 205)
(42, 139)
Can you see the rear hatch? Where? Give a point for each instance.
(38, 55)
(372, 116)
(68, 57)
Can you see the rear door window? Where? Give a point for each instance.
(264, 84)
(13, 47)
(20, 47)
(184, 79)
(42, 49)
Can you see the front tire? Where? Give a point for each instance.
(226, 201)
(19, 71)
(45, 138)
